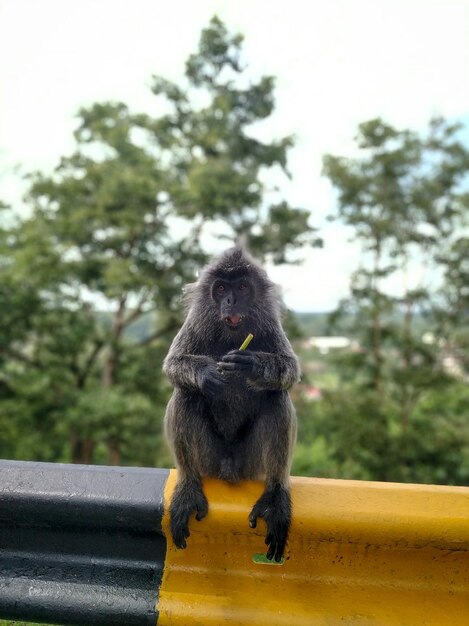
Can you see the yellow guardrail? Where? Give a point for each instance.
(359, 553)
(88, 545)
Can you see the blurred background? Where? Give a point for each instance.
(139, 139)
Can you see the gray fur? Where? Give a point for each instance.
(243, 424)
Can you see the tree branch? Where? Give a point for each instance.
(159, 333)
(19, 356)
(137, 311)
(83, 375)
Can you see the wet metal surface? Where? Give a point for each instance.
(80, 544)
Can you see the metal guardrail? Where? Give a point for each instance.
(80, 544)
(87, 545)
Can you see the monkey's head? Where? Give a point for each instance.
(234, 295)
(235, 292)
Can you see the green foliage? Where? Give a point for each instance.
(214, 157)
(397, 412)
(120, 225)
(401, 198)
(91, 280)
(356, 435)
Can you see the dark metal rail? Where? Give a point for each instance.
(85, 545)
(79, 544)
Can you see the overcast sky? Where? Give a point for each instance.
(337, 62)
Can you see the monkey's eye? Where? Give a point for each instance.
(242, 287)
(220, 289)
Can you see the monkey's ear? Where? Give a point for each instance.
(189, 288)
(242, 242)
(188, 293)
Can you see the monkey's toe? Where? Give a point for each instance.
(179, 537)
(180, 532)
(260, 509)
(276, 541)
(201, 507)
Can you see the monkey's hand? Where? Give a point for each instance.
(188, 498)
(241, 361)
(263, 370)
(275, 507)
(211, 382)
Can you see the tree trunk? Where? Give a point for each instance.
(111, 364)
(109, 368)
(407, 348)
(82, 448)
(114, 453)
(376, 323)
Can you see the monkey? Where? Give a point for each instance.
(230, 415)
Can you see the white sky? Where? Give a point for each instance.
(337, 62)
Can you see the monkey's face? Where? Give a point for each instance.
(234, 299)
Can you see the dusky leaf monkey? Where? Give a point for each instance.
(230, 415)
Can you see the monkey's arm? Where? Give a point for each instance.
(194, 371)
(273, 371)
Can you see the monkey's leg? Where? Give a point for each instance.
(196, 450)
(271, 446)
(188, 498)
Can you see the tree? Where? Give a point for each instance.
(123, 221)
(216, 160)
(451, 309)
(401, 198)
(405, 198)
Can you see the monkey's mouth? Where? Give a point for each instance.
(233, 321)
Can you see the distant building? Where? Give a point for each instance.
(324, 344)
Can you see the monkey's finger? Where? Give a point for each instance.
(239, 353)
(216, 379)
(237, 358)
(231, 367)
(215, 386)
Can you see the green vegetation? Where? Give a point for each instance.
(121, 223)
(398, 406)
(91, 281)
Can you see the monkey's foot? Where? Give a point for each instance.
(188, 498)
(275, 507)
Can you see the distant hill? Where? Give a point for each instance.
(310, 324)
(317, 324)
